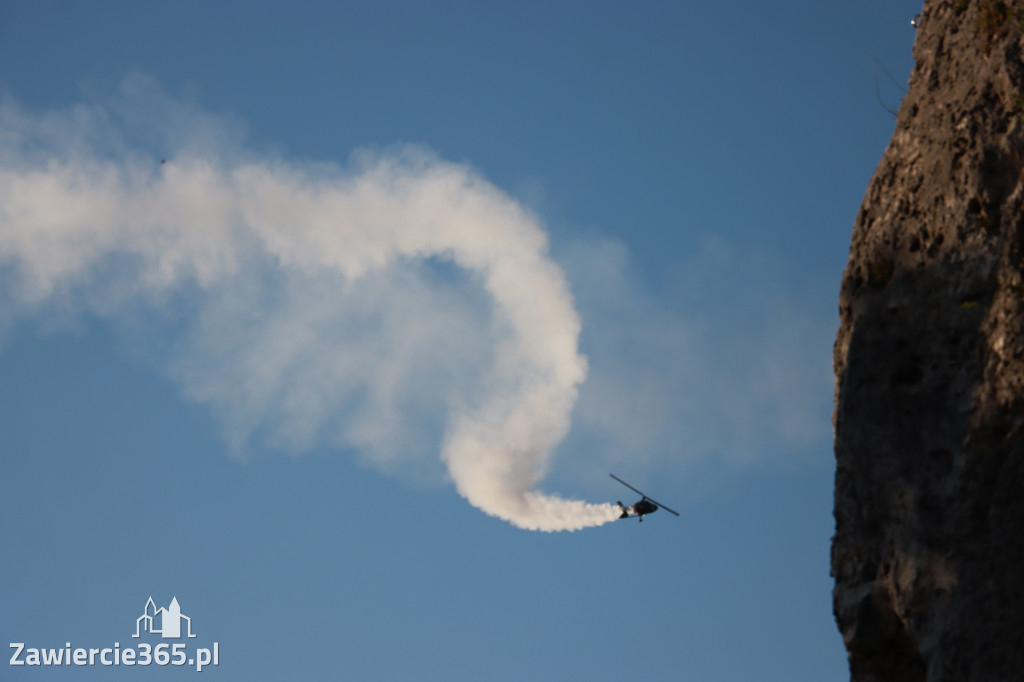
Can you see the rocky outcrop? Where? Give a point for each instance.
(928, 555)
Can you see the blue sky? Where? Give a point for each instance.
(696, 171)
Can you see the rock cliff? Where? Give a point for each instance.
(928, 555)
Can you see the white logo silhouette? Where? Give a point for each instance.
(170, 620)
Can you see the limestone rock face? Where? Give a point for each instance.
(928, 555)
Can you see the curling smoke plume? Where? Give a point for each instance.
(278, 267)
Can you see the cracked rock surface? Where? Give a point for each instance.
(928, 555)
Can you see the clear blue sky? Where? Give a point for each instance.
(697, 168)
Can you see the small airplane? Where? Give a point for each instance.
(642, 507)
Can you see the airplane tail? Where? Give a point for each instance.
(625, 512)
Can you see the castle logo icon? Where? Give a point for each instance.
(169, 620)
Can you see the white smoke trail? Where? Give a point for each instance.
(286, 261)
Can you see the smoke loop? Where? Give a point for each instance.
(87, 218)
